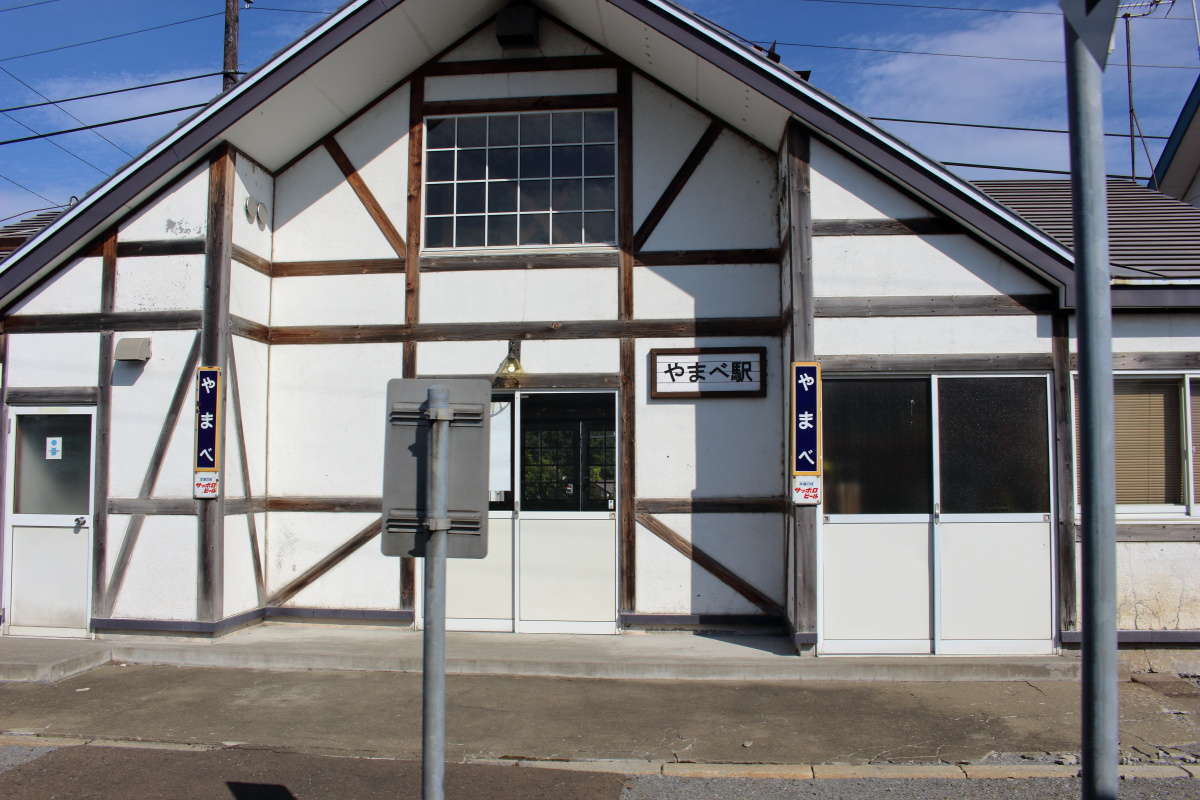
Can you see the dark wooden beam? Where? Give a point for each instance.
(682, 175)
(343, 551)
(1150, 532)
(161, 247)
(157, 456)
(491, 331)
(681, 258)
(535, 64)
(626, 479)
(710, 565)
(452, 263)
(794, 170)
(100, 488)
(625, 233)
(327, 504)
(215, 331)
(1180, 360)
(412, 277)
(968, 362)
(506, 104)
(243, 327)
(712, 505)
(252, 260)
(365, 196)
(58, 395)
(112, 321)
(549, 380)
(153, 506)
(923, 226)
(1064, 449)
(934, 306)
(359, 266)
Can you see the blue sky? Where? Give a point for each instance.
(1028, 93)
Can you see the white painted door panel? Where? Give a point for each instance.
(876, 585)
(479, 591)
(50, 584)
(568, 570)
(995, 581)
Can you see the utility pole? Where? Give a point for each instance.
(230, 67)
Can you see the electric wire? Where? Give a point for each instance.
(71, 153)
(287, 10)
(111, 91)
(996, 127)
(26, 188)
(33, 210)
(6, 71)
(952, 55)
(102, 124)
(110, 37)
(28, 5)
(964, 8)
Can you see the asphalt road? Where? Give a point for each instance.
(102, 773)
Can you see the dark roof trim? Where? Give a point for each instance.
(849, 132)
(1171, 148)
(1160, 298)
(182, 147)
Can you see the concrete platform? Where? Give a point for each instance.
(635, 655)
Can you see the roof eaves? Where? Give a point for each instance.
(854, 133)
(1190, 107)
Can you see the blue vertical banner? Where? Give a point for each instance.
(207, 456)
(806, 432)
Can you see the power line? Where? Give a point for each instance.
(113, 36)
(964, 8)
(26, 188)
(953, 55)
(110, 91)
(71, 153)
(28, 5)
(60, 108)
(33, 210)
(287, 10)
(102, 124)
(997, 127)
(1035, 169)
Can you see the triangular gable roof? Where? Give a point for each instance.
(353, 56)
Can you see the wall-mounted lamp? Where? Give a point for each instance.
(132, 350)
(510, 370)
(256, 211)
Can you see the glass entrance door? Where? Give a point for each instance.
(50, 507)
(551, 563)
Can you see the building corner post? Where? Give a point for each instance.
(798, 345)
(214, 352)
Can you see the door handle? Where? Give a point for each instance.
(80, 522)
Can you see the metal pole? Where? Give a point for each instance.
(1129, 94)
(1099, 754)
(433, 712)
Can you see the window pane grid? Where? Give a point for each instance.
(521, 179)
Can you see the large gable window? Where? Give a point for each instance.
(521, 180)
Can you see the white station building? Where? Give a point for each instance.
(634, 224)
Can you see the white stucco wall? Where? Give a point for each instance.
(160, 283)
(338, 299)
(241, 593)
(1025, 333)
(519, 295)
(249, 294)
(740, 290)
(160, 581)
(521, 84)
(1176, 332)
(1157, 587)
(377, 145)
(723, 447)
(75, 290)
(53, 359)
(366, 579)
(842, 189)
(180, 213)
(908, 266)
(252, 181)
(750, 545)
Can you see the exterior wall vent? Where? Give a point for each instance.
(517, 26)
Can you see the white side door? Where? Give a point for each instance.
(49, 521)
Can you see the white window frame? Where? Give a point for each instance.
(612, 246)
(1129, 512)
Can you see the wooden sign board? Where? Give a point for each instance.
(690, 372)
